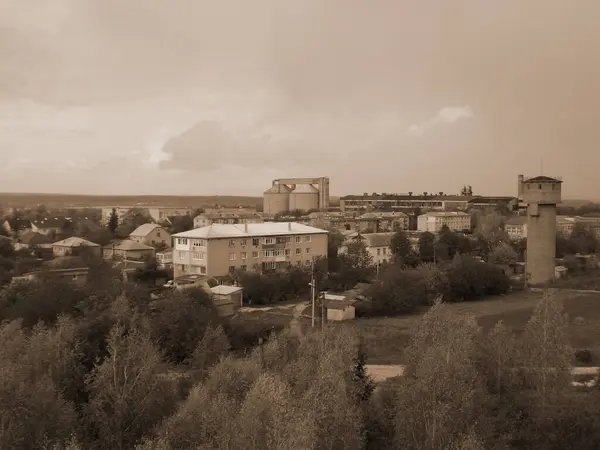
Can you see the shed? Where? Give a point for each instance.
(338, 308)
(560, 271)
(233, 294)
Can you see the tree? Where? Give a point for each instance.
(503, 254)
(398, 291)
(113, 221)
(128, 397)
(427, 246)
(470, 279)
(210, 348)
(400, 246)
(546, 352)
(583, 240)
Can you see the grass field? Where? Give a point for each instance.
(386, 338)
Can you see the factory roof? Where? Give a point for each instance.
(305, 189)
(431, 197)
(542, 179)
(278, 189)
(216, 231)
(445, 213)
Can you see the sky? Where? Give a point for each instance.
(199, 97)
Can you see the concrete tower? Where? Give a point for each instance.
(541, 194)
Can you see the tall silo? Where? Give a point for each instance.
(304, 197)
(276, 199)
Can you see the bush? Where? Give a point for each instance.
(583, 356)
(471, 279)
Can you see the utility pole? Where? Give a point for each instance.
(321, 296)
(312, 289)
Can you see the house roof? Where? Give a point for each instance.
(75, 242)
(144, 230)
(222, 289)
(517, 220)
(378, 239)
(34, 238)
(542, 179)
(51, 222)
(337, 304)
(216, 231)
(128, 245)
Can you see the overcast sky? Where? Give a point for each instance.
(220, 97)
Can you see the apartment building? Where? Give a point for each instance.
(564, 225)
(206, 219)
(516, 227)
(219, 249)
(434, 221)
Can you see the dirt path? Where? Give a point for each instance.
(383, 372)
(296, 314)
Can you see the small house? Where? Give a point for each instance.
(164, 260)
(75, 246)
(33, 239)
(338, 308)
(128, 250)
(151, 234)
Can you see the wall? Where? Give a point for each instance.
(337, 315)
(157, 236)
(541, 244)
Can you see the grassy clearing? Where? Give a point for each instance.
(386, 338)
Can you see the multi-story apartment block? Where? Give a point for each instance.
(564, 225)
(157, 213)
(392, 202)
(219, 249)
(516, 227)
(434, 221)
(206, 219)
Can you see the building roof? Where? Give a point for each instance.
(51, 222)
(216, 231)
(463, 198)
(144, 230)
(383, 215)
(128, 245)
(305, 189)
(378, 239)
(481, 199)
(278, 189)
(34, 238)
(445, 213)
(337, 304)
(222, 289)
(229, 215)
(517, 220)
(75, 242)
(542, 179)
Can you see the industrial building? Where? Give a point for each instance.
(304, 194)
(541, 194)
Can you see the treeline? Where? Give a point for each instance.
(97, 377)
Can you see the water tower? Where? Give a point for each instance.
(541, 194)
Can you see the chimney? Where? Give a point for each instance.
(520, 186)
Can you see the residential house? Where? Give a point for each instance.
(377, 244)
(433, 222)
(219, 249)
(230, 295)
(385, 221)
(128, 250)
(152, 235)
(75, 246)
(33, 239)
(51, 225)
(16, 225)
(77, 276)
(516, 227)
(206, 219)
(164, 260)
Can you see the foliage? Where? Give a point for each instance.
(583, 240)
(426, 246)
(565, 246)
(398, 291)
(113, 222)
(470, 279)
(503, 254)
(400, 246)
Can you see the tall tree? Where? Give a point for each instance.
(583, 239)
(427, 246)
(400, 246)
(113, 221)
(503, 254)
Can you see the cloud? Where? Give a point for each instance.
(446, 115)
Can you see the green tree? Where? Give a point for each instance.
(113, 221)
(503, 254)
(427, 246)
(400, 246)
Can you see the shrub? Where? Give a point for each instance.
(398, 291)
(471, 279)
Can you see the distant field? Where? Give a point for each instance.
(386, 338)
(62, 200)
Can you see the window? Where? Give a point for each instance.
(255, 255)
(269, 240)
(384, 250)
(232, 257)
(378, 251)
(232, 243)
(298, 239)
(268, 253)
(244, 268)
(158, 234)
(181, 241)
(307, 250)
(256, 242)
(199, 243)
(243, 255)
(306, 238)
(202, 269)
(243, 242)
(181, 255)
(287, 252)
(298, 251)
(280, 252)
(198, 255)
(231, 269)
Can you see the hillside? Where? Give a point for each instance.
(73, 200)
